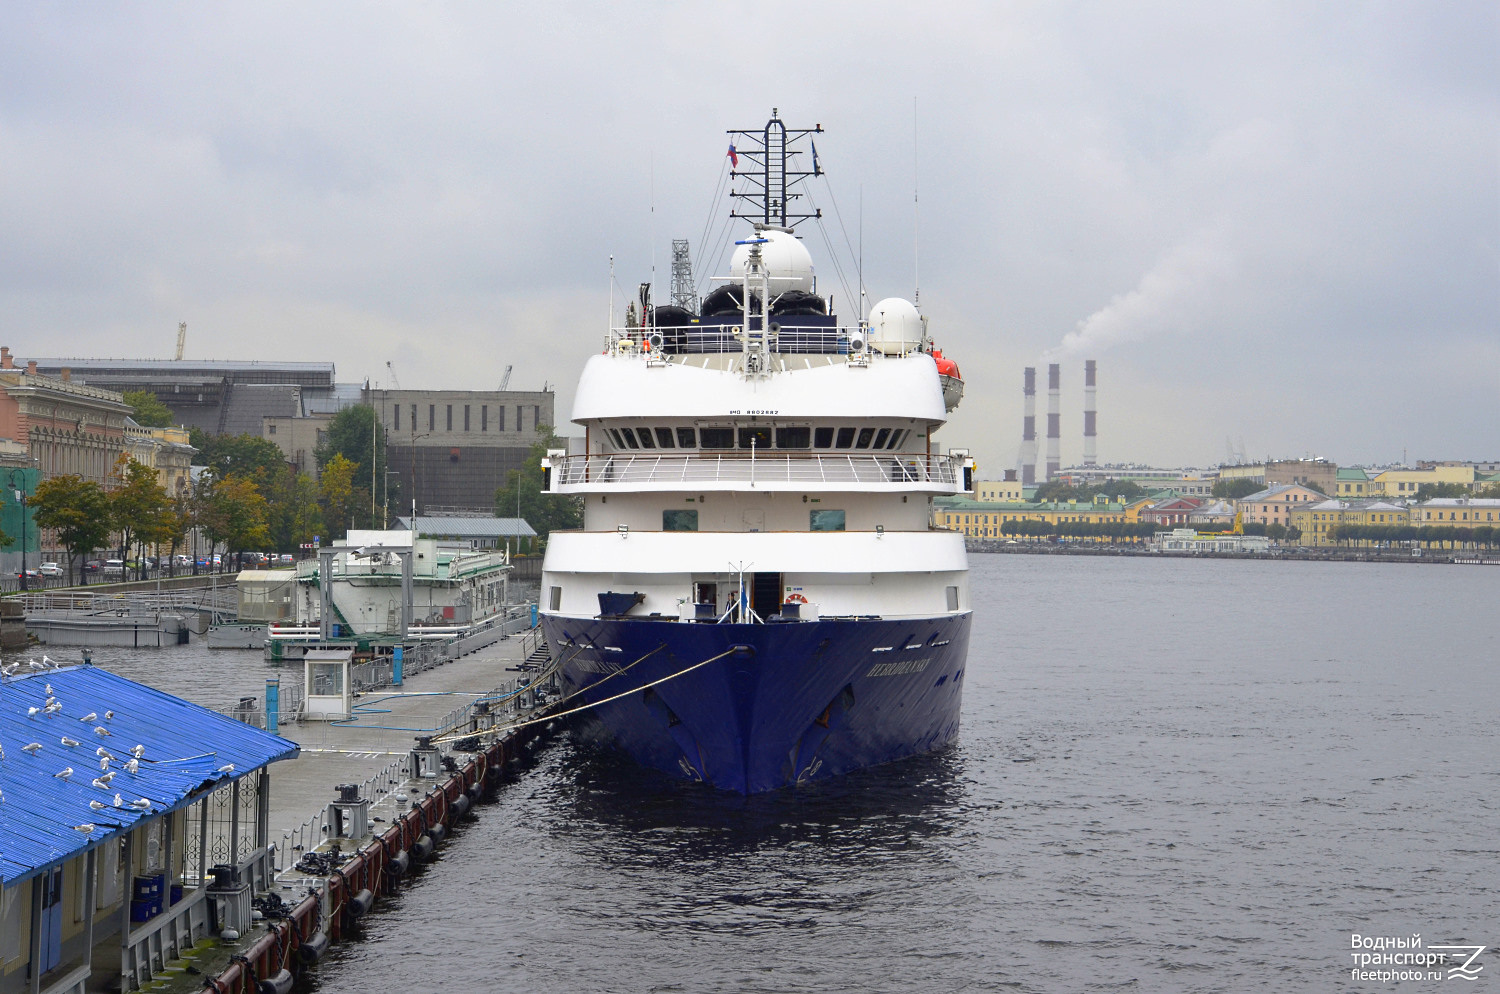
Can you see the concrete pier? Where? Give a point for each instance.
(368, 810)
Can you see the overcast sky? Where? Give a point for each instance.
(1271, 224)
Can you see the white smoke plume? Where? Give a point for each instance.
(1179, 294)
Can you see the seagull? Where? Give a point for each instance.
(109, 716)
(131, 767)
(53, 708)
(91, 716)
(103, 753)
(143, 804)
(138, 751)
(69, 742)
(101, 784)
(103, 763)
(31, 712)
(101, 731)
(98, 805)
(119, 801)
(36, 665)
(85, 828)
(48, 662)
(10, 670)
(2, 752)
(33, 748)
(64, 773)
(227, 768)
(47, 690)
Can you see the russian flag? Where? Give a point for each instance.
(734, 159)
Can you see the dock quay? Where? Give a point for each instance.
(364, 805)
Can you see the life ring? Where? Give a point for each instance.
(795, 599)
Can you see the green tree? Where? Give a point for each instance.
(149, 411)
(292, 511)
(544, 512)
(1061, 492)
(78, 510)
(1428, 491)
(342, 498)
(245, 456)
(136, 506)
(234, 513)
(357, 434)
(1276, 531)
(1237, 488)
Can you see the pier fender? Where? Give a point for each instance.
(277, 983)
(460, 806)
(313, 948)
(476, 793)
(361, 903)
(398, 864)
(424, 849)
(438, 833)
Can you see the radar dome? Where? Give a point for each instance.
(786, 259)
(894, 321)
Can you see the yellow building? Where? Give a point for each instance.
(999, 490)
(1457, 512)
(986, 519)
(1406, 482)
(1317, 521)
(1353, 483)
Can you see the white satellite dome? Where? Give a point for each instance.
(786, 260)
(894, 321)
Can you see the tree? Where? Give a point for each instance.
(1276, 531)
(1236, 488)
(246, 456)
(78, 510)
(357, 434)
(544, 512)
(1061, 492)
(1428, 491)
(234, 513)
(341, 498)
(149, 411)
(292, 511)
(136, 506)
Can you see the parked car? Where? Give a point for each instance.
(92, 566)
(50, 569)
(30, 574)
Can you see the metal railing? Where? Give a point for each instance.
(889, 469)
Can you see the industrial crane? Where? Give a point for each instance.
(181, 338)
(505, 380)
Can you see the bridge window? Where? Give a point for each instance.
(687, 438)
(629, 437)
(664, 438)
(716, 438)
(881, 437)
(896, 438)
(823, 438)
(647, 442)
(865, 434)
(799, 437)
(759, 438)
(845, 439)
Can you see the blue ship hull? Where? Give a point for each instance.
(790, 702)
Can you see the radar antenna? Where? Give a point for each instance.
(772, 151)
(683, 294)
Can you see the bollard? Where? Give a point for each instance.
(396, 667)
(273, 701)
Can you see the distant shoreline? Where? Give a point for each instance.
(1489, 558)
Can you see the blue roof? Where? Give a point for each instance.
(184, 749)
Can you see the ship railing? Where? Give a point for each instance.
(786, 336)
(887, 469)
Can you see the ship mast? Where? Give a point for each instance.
(772, 152)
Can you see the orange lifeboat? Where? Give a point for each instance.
(951, 379)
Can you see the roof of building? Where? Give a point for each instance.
(1359, 504)
(246, 403)
(1486, 502)
(1353, 473)
(45, 819)
(1270, 493)
(992, 506)
(476, 527)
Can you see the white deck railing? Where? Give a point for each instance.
(891, 469)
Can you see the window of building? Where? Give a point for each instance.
(554, 598)
(398, 417)
(796, 437)
(679, 521)
(716, 438)
(484, 417)
(500, 417)
(519, 425)
(536, 415)
(825, 521)
(466, 417)
(664, 438)
(450, 417)
(687, 438)
(270, 429)
(432, 417)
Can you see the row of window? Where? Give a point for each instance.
(821, 520)
(468, 421)
(788, 437)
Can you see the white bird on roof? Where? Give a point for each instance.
(64, 773)
(69, 742)
(101, 731)
(227, 768)
(101, 784)
(98, 805)
(32, 711)
(143, 804)
(85, 828)
(10, 670)
(109, 716)
(103, 763)
(33, 748)
(48, 662)
(133, 767)
(91, 716)
(108, 776)
(138, 751)
(119, 801)
(36, 665)
(103, 753)
(47, 689)
(52, 708)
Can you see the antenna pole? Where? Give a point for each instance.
(916, 213)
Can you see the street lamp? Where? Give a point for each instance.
(20, 493)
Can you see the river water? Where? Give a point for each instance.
(1173, 775)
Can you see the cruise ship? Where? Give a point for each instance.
(756, 597)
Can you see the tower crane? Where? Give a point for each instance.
(505, 380)
(391, 375)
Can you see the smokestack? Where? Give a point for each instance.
(1028, 431)
(1054, 420)
(1089, 411)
